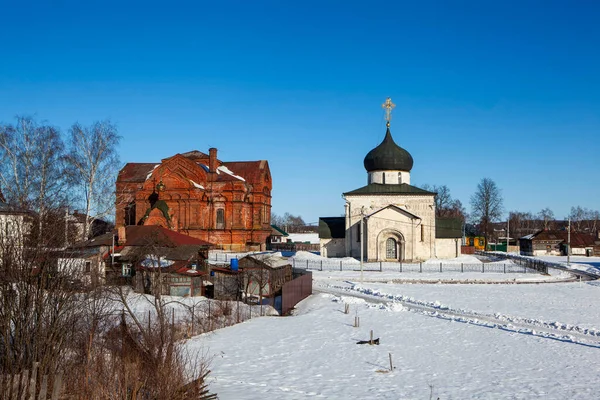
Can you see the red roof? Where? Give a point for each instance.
(140, 235)
(251, 171)
(577, 239)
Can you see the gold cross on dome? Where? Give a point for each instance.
(388, 106)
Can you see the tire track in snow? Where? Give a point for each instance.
(549, 330)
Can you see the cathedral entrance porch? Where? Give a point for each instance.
(391, 246)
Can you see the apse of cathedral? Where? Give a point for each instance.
(225, 203)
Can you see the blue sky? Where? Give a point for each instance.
(507, 90)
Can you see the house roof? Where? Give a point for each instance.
(145, 235)
(6, 208)
(270, 261)
(277, 231)
(377, 188)
(577, 239)
(332, 228)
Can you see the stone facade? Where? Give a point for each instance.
(225, 203)
(388, 219)
(408, 220)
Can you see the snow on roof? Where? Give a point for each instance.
(197, 185)
(151, 171)
(152, 261)
(229, 172)
(220, 169)
(312, 237)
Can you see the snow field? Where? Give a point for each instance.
(314, 355)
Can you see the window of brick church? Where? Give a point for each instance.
(220, 218)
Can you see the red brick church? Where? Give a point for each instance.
(225, 203)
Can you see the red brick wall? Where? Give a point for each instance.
(193, 211)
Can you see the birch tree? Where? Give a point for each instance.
(92, 165)
(31, 168)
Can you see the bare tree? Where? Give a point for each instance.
(92, 166)
(547, 216)
(486, 205)
(31, 168)
(577, 216)
(445, 205)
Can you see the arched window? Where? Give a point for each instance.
(391, 249)
(220, 218)
(399, 177)
(383, 177)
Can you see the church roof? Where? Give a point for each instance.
(388, 156)
(332, 228)
(250, 171)
(397, 209)
(377, 188)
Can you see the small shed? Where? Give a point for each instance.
(265, 275)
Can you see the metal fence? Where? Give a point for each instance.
(527, 262)
(384, 266)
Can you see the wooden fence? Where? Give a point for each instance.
(25, 386)
(294, 291)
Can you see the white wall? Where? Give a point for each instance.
(333, 247)
(447, 248)
(419, 205)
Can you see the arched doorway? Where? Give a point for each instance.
(391, 249)
(390, 245)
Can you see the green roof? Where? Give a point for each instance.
(377, 188)
(332, 228)
(448, 228)
(278, 229)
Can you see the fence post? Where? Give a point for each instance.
(400, 266)
(440, 267)
(307, 264)
(24, 382)
(321, 265)
(421, 266)
(380, 267)
(33, 381)
(482, 267)
(340, 265)
(504, 267)
(293, 262)
(461, 267)
(57, 387)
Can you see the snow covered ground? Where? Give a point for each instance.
(452, 341)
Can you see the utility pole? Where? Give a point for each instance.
(569, 244)
(507, 232)
(362, 243)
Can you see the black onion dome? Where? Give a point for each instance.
(388, 156)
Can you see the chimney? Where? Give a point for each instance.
(122, 238)
(212, 159)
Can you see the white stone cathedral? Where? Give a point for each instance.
(388, 219)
